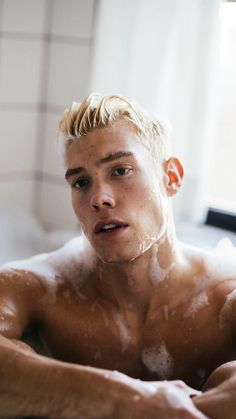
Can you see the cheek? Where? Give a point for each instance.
(78, 206)
(153, 204)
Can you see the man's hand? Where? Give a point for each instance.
(162, 400)
(219, 398)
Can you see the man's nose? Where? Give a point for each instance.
(102, 197)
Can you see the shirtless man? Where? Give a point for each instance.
(134, 324)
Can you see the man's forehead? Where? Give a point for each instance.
(103, 142)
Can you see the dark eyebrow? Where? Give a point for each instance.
(110, 157)
(114, 156)
(74, 171)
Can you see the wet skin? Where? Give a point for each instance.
(134, 299)
(80, 325)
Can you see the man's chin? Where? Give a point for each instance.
(115, 259)
(124, 254)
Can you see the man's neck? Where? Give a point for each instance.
(132, 283)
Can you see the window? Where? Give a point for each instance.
(222, 188)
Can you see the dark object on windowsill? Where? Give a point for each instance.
(221, 219)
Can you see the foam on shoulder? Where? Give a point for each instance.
(197, 303)
(226, 310)
(224, 259)
(39, 266)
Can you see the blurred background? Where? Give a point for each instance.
(176, 57)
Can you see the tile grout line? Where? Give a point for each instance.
(29, 175)
(42, 116)
(45, 37)
(92, 37)
(1, 22)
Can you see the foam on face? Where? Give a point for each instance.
(158, 360)
(147, 241)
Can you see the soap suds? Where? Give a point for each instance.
(165, 309)
(45, 272)
(225, 254)
(157, 359)
(156, 272)
(123, 330)
(101, 309)
(198, 302)
(226, 309)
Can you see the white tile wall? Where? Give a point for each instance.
(52, 162)
(56, 210)
(17, 141)
(20, 70)
(17, 194)
(68, 73)
(72, 17)
(25, 16)
(23, 148)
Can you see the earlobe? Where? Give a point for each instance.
(175, 172)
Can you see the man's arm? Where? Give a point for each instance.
(33, 385)
(219, 397)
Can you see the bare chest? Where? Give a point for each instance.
(171, 344)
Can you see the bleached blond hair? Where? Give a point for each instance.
(97, 111)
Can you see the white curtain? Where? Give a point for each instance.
(163, 53)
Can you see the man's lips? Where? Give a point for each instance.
(108, 225)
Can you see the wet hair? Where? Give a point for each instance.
(97, 111)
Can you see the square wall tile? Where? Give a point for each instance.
(17, 141)
(20, 71)
(52, 161)
(16, 194)
(68, 73)
(56, 210)
(25, 16)
(72, 18)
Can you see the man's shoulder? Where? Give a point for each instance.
(220, 272)
(217, 264)
(48, 267)
(221, 262)
(213, 271)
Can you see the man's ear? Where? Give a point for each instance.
(174, 174)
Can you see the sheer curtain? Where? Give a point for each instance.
(163, 53)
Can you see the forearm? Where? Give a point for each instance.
(31, 384)
(218, 397)
(220, 374)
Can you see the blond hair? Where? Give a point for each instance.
(97, 111)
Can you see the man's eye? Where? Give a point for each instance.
(80, 183)
(121, 171)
